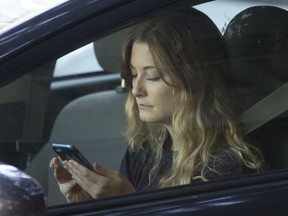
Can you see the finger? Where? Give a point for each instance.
(77, 170)
(104, 171)
(74, 166)
(61, 174)
(83, 176)
(54, 161)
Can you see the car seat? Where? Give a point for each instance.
(257, 39)
(93, 123)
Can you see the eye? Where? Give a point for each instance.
(154, 79)
(152, 74)
(134, 75)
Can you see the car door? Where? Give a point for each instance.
(41, 107)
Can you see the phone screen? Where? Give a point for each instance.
(68, 152)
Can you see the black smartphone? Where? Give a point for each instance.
(68, 152)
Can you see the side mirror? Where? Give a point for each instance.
(19, 193)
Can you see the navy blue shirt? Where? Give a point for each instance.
(136, 167)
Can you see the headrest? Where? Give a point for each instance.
(258, 42)
(108, 50)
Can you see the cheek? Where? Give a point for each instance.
(170, 98)
(174, 103)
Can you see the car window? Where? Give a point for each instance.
(76, 97)
(231, 9)
(89, 64)
(80, 61)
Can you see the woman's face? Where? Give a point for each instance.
(155, 99)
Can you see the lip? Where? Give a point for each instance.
(144, 106)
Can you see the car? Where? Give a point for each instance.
(60, 83)
(20, 194)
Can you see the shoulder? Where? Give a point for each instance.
(224, 165)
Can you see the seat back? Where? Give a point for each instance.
(93, 123)
(258, 42)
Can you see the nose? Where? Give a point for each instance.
(138, 87)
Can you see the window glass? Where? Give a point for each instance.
(88, 110)
(229, 9)
(80, 61)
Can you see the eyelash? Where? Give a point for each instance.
(154, 79)
(149, 79)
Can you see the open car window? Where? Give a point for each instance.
(83, 61)
(76, 97)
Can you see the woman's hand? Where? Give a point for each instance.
(68, 186)
(99, 183)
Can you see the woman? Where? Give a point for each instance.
(180, 127)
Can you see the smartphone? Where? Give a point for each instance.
(68, 152)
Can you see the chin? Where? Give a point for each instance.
(151, 120)
(148, 120)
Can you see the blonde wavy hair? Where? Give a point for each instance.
(189, 48)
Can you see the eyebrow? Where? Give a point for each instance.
(144, 68)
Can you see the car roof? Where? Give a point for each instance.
(14, 12)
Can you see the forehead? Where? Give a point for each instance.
(140, 55)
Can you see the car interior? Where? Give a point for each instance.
(258, 52)
(93, 121)
(87, 110)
